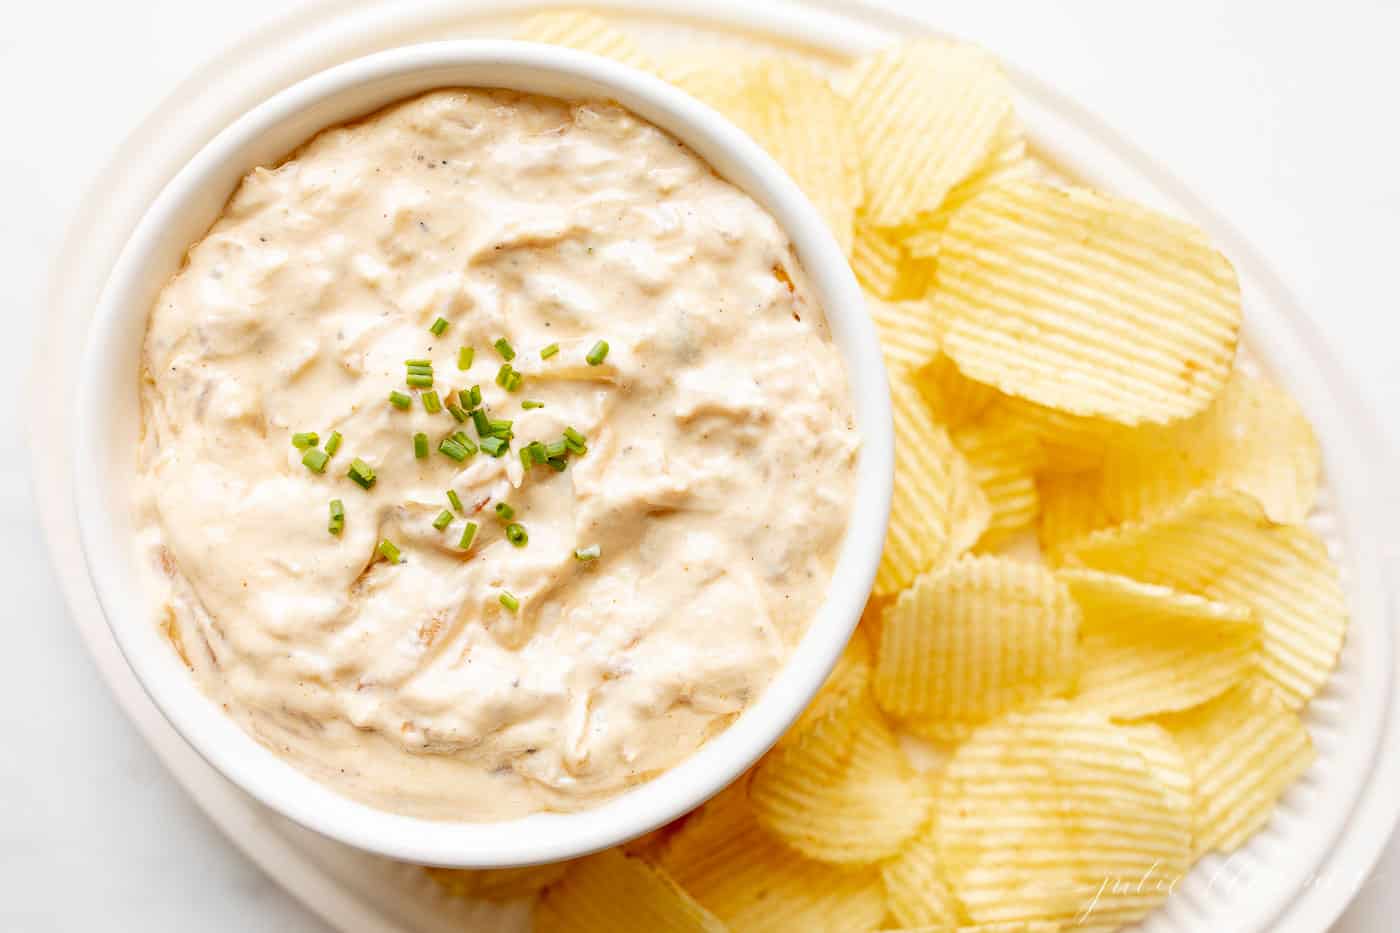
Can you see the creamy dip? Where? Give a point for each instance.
(715, 486)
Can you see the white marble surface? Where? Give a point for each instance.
(1281, 114)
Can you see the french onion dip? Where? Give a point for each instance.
(475, 605)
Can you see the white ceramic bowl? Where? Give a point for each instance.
(108, 416)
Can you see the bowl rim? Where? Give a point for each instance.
(537, 837)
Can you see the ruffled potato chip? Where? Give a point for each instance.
(908, 333)
(954, 399)
(1219, 544)
(1244, 750)
(1004, 457)
(915, 890)
(1149, 649)
(928, 116)
(756, 884)
(611, 891)
(1055, 815)
(1086, 304)
(977, 638)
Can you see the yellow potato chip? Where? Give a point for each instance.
(927, 116)
(1148, 649)
(755, 884)
(1086, 304)
(977, 638)
(1254, 438)
(954, 399)
(611, 891)
(586, 32)
(1072, 443)
(792, 112)
(875, 259)
(936, 510)
(497, 884)
(908, 334)
(855, 807)
(1055, 815)
(1070, 510)
(915, 890)
(1004, 457)
(1244, 750)
(1219, 544)
(1164, 758)
(828, 723)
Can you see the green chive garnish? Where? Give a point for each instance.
(473, 399)
(420, 445)
(439, 327)
(536, 452)
(547, 352)
(315, 459)
(558, 464)
(465, 356)
(304, 439)
(495, 446)
(500, 428)
(592, 552)
(556, 449)
(507, 378)
(530, 403)
(504, 511)
(468, 535)
(574, 438)
(337, 521)
(455, 500)
(456, 412)
(391, 553)
(598, 353)
(431, 403)
(333, 443)
(509, 601)
(400, 400)
(515, 534)
(419, 380)
(419, 363)
(362, 473)
(504, 348)
(443, 520)
(452, 449)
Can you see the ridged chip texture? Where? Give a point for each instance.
(1219, 544)
(917, 894)
(1004, 457)
(853, 805)
(926, 114)
(1055, 815)
(975, 639)
(954, 399)
(756, 884)
(1244, 750)
(907, 330)
(611, 891)
(1149, 649)
(1087, 304)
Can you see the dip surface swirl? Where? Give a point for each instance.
(716, 484)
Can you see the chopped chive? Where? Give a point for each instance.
(362, 473)
(547, 352)
(516, 534)
(443, 520)
(592, 552)
(412, 363)
(456, 412)
(509, 601)
(483, 423)
(504, 511)
(468, 535)
(304, 439)
(530, 403)
(504, 348)
(431, 403)
(439, 327)
(514, 381)
(452, 449)
(494, 446)
(315, 459)
(558, 464)
(573, 437)
(473, 399)
(390, 552)
(500, 428)
(420, 445)
(455, 500)
(526, 460)
(337, 521)
(556, 449)
(465, 356)
(420, 370)
(598, 353)
(419, 380)
(400, 400)
(333, 443)
(465, 441)
(536, 451)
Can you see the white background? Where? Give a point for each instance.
(1280, 113)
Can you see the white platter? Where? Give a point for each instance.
(1295, 876)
